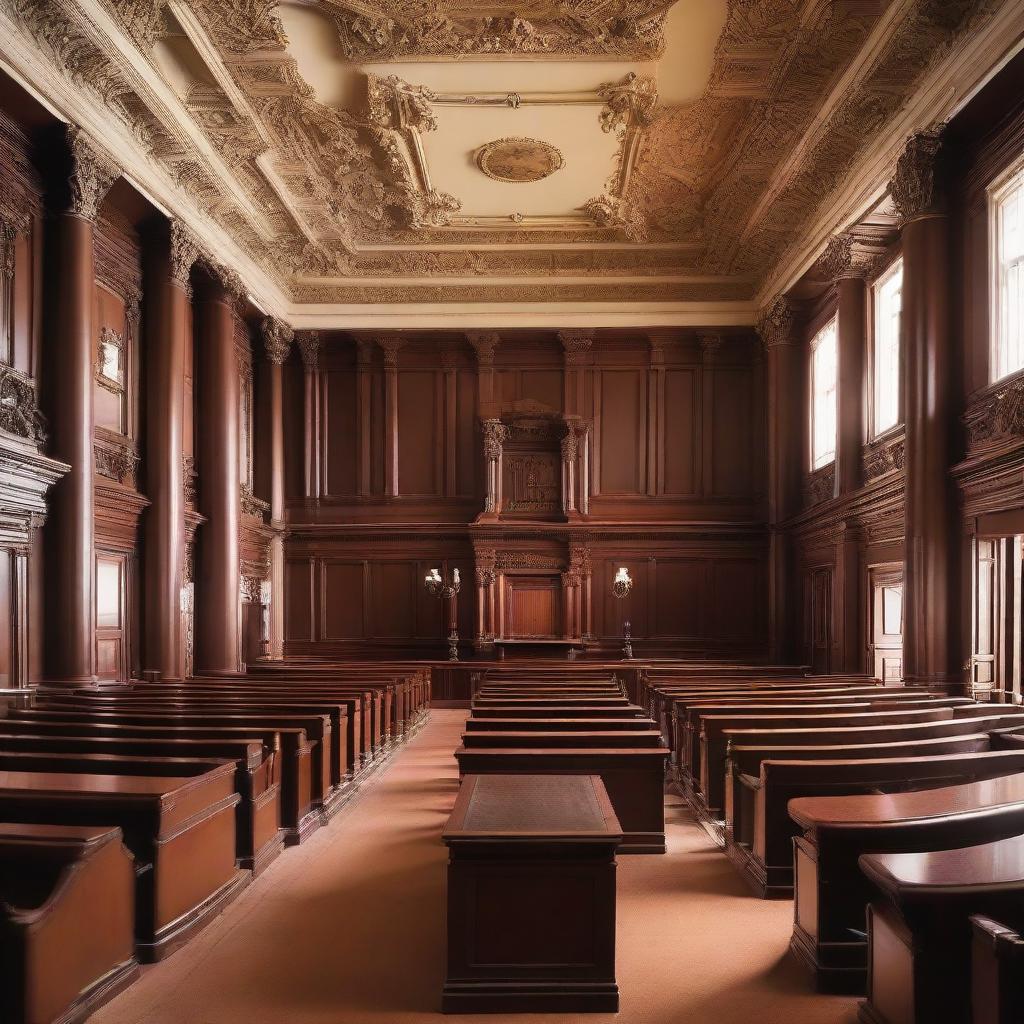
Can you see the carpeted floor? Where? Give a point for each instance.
(349, 928)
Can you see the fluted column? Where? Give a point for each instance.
(277, 340)
(218, 612)
(71, 357)
(309, 349)
(850, 263)
(391, 345)
(931, 596)
(168, 338)
(778, 330)
(487, 400)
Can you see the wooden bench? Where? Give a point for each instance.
(920, 934)
(997, 972)
(634, 779)
(832, 894)
(181, 832)
(514, 711)
(297, 815)
(558, 724)
(531, 896)
(258, 832)
(532, 739)
(67, 921)
(768, 862)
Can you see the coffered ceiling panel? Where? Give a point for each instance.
(356, 149)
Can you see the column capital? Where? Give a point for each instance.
(91, 175)
(184, 253)
(914, 186)
(391, 345)
(775, 324)
(484, 344)
(710, 343)
(576, 343)
(847, 256)
(225, 278)
(277, 339)
(309, 349)
(495, 435)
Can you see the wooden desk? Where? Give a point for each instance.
(531, 896)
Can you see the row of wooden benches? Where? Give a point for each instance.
(894, 824)
(130, 816)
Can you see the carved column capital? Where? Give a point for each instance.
(226, 279)
(710, 343)
(847, 256)
(309, 349)
(391, 345)
(576, 344)
(91, 175)
(569, 446)
(8, 236)
(915, 188)
(184, 253)
(277, 339)
(484, 344)
(495, 435)
(776, 323)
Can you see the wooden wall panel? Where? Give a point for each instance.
(623, 431)
(6, 605)
(420, 441)
(681, 432)
(393, 589)
(299, 598)
(737, 606)
(732, 468)
(340, 433)
(111, 405)
(343, 599)
(466, 434)
(680, 597)
(535, 607)
(544, 386)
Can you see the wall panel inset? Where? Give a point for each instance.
(623, 431)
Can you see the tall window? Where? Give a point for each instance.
(1008, 277)
(823, 396)
(888, 303)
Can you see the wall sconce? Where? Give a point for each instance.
(436, 587)
(622, 584)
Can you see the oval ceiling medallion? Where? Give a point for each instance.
(518, 160)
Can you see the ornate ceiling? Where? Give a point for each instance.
(561, 151)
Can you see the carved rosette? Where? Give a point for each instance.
(277, 339)
(914, 188)
(184, 253)
(775, 326)
(19, 409)
(484, 344)
(309, 349)
(91, 175)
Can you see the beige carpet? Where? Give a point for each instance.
(349, 927)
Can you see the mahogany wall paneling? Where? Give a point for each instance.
(466, 435)
(738, 599)
(680, 597)
(340, 442)
(377, 408)
(681, 431)
(615, 610)
(541, 385)
(299, 596)
(393, 590)
(343, 599)
(8, 606)
(420, 433)
(188, 446)
(16, 310)
(623, 438)
(111, 399)
(818, 618)
(534, 604)
(732, 431)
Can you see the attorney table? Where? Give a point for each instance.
(531, 896)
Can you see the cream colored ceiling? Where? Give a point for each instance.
(335, 140)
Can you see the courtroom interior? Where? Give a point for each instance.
(512, 510)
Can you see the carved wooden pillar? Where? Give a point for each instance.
(495, 433)
(168, 338)
(931, 630)
(777, 329)
(570, 458)
(655, 418)
(485, 582)
(710, 343)
(576, 346)
(71, 360)
(364, 417)
(487, 404)
(582, 432)
(849, 623)
(309, 349)
(849, 262)
(217, 617)
(391, 345)
(277, 340)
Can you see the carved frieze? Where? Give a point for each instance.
(820, 485)
(19, 408)
(505, 560)
(885, 456)
(997, 414)
(117, 458)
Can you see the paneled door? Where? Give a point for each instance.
(534, 607)
(887, 624)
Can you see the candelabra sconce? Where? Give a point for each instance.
(621, 586)
(449, 592)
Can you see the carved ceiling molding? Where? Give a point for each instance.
(387, 30)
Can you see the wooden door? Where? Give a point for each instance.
(886, 619)
(534, 607)
(818, 619)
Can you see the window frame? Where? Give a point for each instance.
(1011, 180)
(873, 432)
(830, 325)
